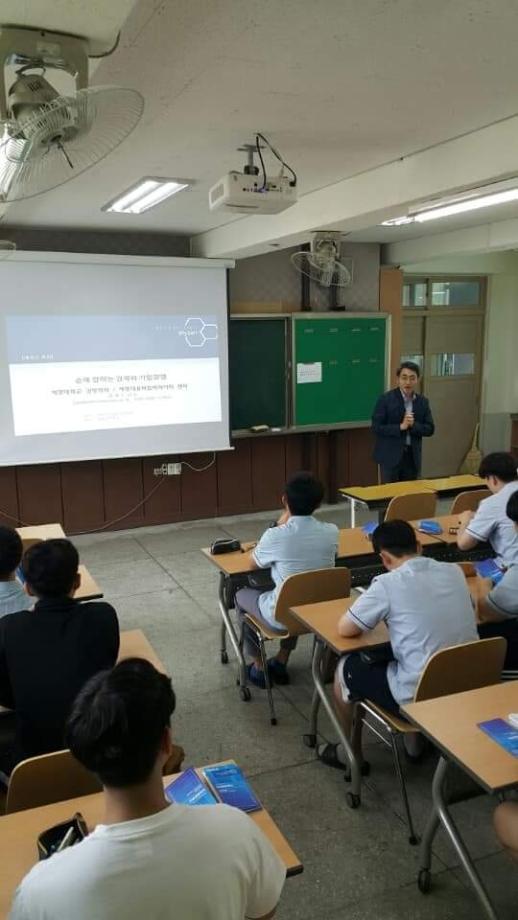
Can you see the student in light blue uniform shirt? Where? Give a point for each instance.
(12, 595)
(426, 606)
(490, 522)
(298, 543)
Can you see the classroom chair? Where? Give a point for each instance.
(303, 588)
(468, 501)
(47, 779)
(451, 670)
(412, 507)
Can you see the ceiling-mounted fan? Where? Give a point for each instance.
(323, 263)
(47, 137)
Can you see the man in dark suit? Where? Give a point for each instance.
(400, 420)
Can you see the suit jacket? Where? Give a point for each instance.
(390, 440)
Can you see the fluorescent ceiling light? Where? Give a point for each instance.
(397, 221)
(147, 193)
(472, 204)
(462, 202)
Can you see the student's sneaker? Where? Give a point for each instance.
(278, 672)
(256, 676)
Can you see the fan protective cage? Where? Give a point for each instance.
(64, 138)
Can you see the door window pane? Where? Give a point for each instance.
(455, 293)
(414, 294)
(452, 365)
(417, 359)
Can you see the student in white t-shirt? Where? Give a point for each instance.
(490, 522)
(148, 860)
(426, 606)
(298, 543)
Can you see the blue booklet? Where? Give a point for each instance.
(430, 527)
(369, 528)
(503, 733)
(231, 786)
(188, 789)
(487, 568)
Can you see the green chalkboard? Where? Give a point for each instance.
(339, 368)
(257, 372)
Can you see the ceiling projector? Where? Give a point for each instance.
(252, 191)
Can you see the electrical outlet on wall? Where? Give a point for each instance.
(168, 469)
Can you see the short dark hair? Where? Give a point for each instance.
(396, 537)
(50, 567)
(11, 549)
(304, 493)
(118, 720)
(410, 366)
(500, 465)
(512, 507)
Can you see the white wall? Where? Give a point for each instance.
(500, 370)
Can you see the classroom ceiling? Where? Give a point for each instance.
(341, 87)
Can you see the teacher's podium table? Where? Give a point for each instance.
(377, 498)
(452, 725)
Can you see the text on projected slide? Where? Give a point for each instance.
(82, 373)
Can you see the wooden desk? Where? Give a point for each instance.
(454, 484)
(322, 620)
(88, 589)
(42, 532)
(232, 563)
(451, 723)
(18, 833)
(134, 644)
(379, 496)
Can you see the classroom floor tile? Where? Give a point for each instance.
(358, 864)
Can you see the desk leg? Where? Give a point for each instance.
(353, 511)
(440, 814)
(227, 628)
(352, 797)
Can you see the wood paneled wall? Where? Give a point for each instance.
(109, 494)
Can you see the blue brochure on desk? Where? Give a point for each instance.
(503, 733)
(188, 789)
(430, 527)
(231, 787)
(487, 568)
(369, 528)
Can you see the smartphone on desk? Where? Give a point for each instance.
(231, 787)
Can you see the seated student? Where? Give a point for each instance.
(298, 543)
(497, 604)
(501, 601)
(149, 858)
(12, 595)
(48, 653)
(490, 521)
(426, 605)
(505, 820)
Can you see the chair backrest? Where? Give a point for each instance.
(468, 501)
(462, 667)
(310, 588)
(412, 507)
(46, 779)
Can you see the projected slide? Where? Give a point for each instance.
(95, 372)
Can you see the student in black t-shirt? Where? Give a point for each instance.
(47, 654)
